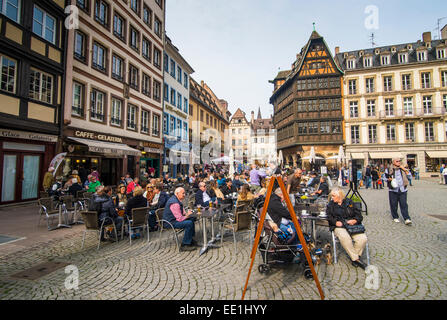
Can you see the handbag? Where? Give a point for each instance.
(355, 229)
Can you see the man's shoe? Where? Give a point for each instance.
(396, 220)
(186, 247)
(195, 244)
(359, 263)
(408, 222)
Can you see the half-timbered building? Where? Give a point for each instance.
(32, 46)
(307, 104)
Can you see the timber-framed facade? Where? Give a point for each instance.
(307, 104)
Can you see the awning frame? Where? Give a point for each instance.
(107, 147)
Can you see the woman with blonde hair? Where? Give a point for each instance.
(342, 214)
(137, 201)
(219, 195)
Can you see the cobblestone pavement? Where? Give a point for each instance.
(411, 262)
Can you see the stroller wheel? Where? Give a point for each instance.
(263, 269)
(308, 274)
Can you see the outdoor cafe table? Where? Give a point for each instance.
(209, 213)
(313, 219)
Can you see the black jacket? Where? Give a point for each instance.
(199, 196)
(104, 206)
(226, 191)
(164, 197)
(74, 188)
(347, 211)
(135, 202)
(276, 210)
(325, 188)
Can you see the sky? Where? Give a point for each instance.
(237, 46)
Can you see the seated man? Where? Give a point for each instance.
(237, 183)
(313, 181)
(102, 203)
(204, 196)
(175, 214)
(228, 188)
(281, 216)
(323, 190)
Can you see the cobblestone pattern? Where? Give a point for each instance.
(411, 262)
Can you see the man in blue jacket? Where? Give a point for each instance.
(176, 215)
(159, 201)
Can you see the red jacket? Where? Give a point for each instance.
(131, 186)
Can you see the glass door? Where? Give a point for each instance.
(30, 182)
(9, 177)
(21, 176)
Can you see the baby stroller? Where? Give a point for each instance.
(277, 250)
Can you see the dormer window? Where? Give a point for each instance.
(351, 64)
(403, 58)
(385, 60)
(367, 62)
(441, 53)
(422, 55)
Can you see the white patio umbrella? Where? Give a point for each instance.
(231, 171)
(280, 157)
(191, 163)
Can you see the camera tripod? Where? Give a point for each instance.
(355, 192)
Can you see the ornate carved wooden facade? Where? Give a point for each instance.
(308, 103)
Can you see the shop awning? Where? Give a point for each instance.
(107, 147)
(385, 155)
(437, 154)
(357, 156)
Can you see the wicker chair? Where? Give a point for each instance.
(92, 224)
(139, 220)
(47, 208)
(164, 224)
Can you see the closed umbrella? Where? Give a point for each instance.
(280, 157)
(231, 172)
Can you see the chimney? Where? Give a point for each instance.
(426, 37)
(252, 117)
(337, 50)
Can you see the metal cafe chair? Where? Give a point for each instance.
(47, 209)
(93, 225)
(138, 220)
(164, 224)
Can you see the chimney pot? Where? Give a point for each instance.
(426, 37)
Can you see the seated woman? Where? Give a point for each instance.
(137, 201)
(219, 195)
(341, 211)
(121, 199)
(245, 194)
(263, 189)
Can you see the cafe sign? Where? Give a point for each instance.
(94, 136)
(4, 133)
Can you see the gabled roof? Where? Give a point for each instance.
(239, 114)
(301, 57)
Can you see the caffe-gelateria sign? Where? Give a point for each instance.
(95, 136)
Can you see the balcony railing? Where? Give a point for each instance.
(415, 113)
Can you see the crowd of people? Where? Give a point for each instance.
(214, 185)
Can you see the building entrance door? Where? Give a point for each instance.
(20, 176)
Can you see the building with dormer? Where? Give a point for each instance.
(395, 100)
